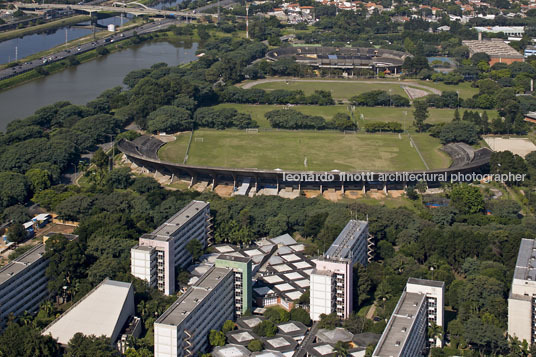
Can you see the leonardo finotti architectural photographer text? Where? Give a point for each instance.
(400, 177)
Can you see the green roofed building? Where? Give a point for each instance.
(243, 280)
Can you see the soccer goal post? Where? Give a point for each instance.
(199, 140)
(252, 131)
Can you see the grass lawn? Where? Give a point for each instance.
(464, 89)
(369, 113)
(287, 150)
(339, 90)
(429, 148)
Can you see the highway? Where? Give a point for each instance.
(100, 8)
(58, 56)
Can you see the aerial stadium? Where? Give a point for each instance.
(143, 153)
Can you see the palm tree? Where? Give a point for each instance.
(435, 332)
(341, 349)
(47, 307)
(26, 318)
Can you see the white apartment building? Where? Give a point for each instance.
(183, 329)
(23, 284)
(522, 299)
(331, 287)
(351, 243)
(406, 333)
(159, 253)
(435, 294)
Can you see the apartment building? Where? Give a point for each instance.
(158, 254)
(23, 284)
(183, 329)
(331, 287)
(406, 333)
(435, 294)
(352, 243)
(522, 298)
(243, 291)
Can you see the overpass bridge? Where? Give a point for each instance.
(120, 7)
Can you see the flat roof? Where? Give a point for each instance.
(494, 48)
(96, 314)
(526, 260)
(434, 283)
(397, 330)
(22, 262)
(230, 351)
(172, 225)
(342, 246)
(188, 301)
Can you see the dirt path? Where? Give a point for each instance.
(400, 83)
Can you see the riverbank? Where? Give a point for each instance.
(43, 27)
(77, 42)
(76, 59)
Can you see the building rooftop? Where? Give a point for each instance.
(366, 338)
(241, 337)
(335, 335)
(98, 313)
(526, 261)
(284, 239)
(320, 349)
(341, 247)
(230, 351)
(494, 48)
(396, 332)
(17, 265)
(426, 282)
(279, 343)
(172, 225)
(292, 328)
(189, 301)
(266, 353)
(249, 322)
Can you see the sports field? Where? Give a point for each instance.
(340, 90)
(345, 89)
(403, 116)
(302, 150)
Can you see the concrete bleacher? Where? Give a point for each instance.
(148, 146)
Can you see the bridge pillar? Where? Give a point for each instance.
(192, 182)
(213, 183)
(385, 188)
(342, 187)
(321, 189)
(299, 188)
(364, 188)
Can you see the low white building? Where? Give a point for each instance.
(104, 311)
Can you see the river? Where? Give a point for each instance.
(86, 81)
(37, 42)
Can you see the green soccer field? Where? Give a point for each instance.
(303, 150)
(403, 116)
(339, 90)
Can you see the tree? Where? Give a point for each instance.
(466, 198)
(456, 115)
(39, 179)
(420, 114)
(411, 193)
(216, 338)
(228, 326)
(16, 214)
(265, 329)
(301, 315)
(17, 233)
(169, 119)
(328, 321)
(195, 248)
(14, 189)
(255, 346)
(100, 159)
(26, 341)
(459, 131)
(277, 314)
(89, 346)
(341, 349)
